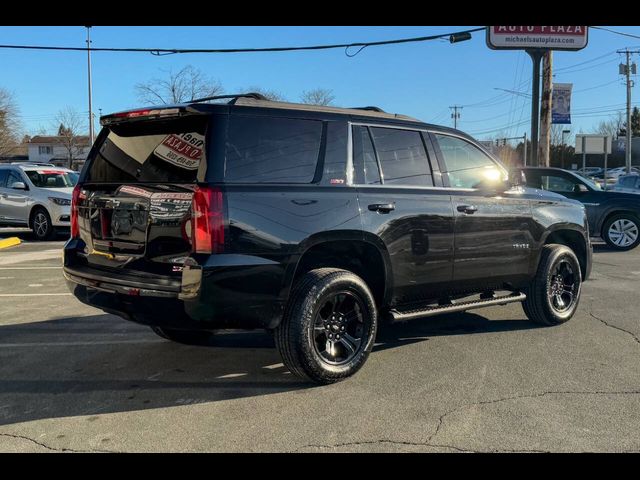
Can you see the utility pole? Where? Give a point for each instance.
(627, 70)
(545, 109)
(536, 55)
(89, 77)
(455, 115)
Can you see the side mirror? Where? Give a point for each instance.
(516, 178)
(18, 186)
(580, 188)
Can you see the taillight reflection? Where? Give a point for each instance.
(75, 198)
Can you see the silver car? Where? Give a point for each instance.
(37, 196)
(628, 183)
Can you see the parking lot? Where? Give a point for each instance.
(73, 378)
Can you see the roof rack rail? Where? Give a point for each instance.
(370, 108)
(26, 162)
(257, 96)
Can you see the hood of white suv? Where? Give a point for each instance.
(64, 192)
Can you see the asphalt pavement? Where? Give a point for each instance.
(73, 378)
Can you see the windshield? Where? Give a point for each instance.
(52, 178)
(588, 181)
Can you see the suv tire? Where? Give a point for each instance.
(622, 231)
(187, 337)
(329, 326)
(41, 224)
(554, 293)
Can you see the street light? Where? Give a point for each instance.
(563, 147)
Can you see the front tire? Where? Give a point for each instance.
(622, 232)
(41, 224)
(329, 326)
(553, 296)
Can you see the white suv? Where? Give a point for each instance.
(37, 196)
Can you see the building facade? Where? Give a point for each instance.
(52, 149)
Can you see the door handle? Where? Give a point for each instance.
(382, 207)
(468, 209)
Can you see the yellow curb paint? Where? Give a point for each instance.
(9, 242)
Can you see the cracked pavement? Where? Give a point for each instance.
(74, 379)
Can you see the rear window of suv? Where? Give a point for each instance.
(150, 151)
(272, 150)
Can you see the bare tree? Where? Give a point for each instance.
(9, 123)
(611, 127)
(70, 126)
(272, 95)
(556, 134)
(186, 85)
(318, 96)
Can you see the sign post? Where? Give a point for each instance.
(536, 40)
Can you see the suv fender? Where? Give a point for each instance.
(348, 249)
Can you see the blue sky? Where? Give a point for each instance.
(419, 79)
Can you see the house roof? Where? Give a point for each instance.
(56, 139)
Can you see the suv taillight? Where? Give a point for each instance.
(207, 220)
(75, 197)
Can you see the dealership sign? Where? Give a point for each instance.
(545, 37)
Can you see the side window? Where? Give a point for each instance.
(556, 183)
(466, 165)
(403, 158)
(335, 156)
(272, 150)
(12, 178)
(364, 158)
(628, 182)
(3, 178)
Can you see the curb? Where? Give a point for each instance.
(9, 242)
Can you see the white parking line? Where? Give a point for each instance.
(34, 294)
(76, 344)
(28, 268)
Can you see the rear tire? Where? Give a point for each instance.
(329, 326)
(622, 232)
(41, 224)
(554, 293)
(187, 337)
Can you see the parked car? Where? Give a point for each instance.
(591, 171)
(627, 183)
(313, 222)
(37, 196)
(615, 216)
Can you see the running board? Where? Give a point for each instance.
(397, 316)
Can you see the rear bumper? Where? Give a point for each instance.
(222, 291)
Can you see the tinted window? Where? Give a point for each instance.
(12, 178)
(272, 150)
(402, 156)
(364, 158)
(335, 157)
(466, 165)
(3, 177)
(157, 151)
(557, 183)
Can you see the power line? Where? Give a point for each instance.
(171, 51)
(616, 32)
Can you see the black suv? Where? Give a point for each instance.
(614, 216)
(313, 222)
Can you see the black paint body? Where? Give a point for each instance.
(421, 251)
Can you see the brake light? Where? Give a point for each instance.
(143, 112)
(207, 220)
(75, 197)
